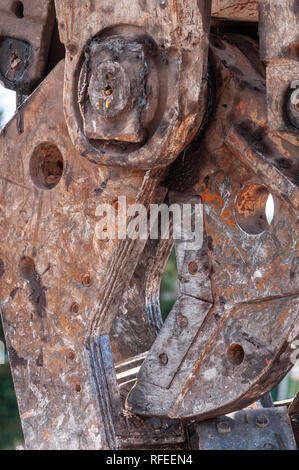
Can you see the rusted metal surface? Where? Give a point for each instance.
(50, 288)
(279, 47)
(93, 365)
(25, 34)
(262, 429)
(253, 266)
(236, 10)
(278, 29)
(167, 42)
(69, 301)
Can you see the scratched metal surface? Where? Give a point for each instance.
(33, 26)
(53, 265)
(236, 10)
(243, 347)
(71, 303)
(179, 33)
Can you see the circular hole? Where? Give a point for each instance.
(254, 209)
(108, 90)
(236, 354)
(86, 280)
(163, 358)
(27, 268)
(270, 209)
(192, 267)
(18, 9)
(46, 166)
(109, 76)
(75, 307)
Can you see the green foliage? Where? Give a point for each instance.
(10, 425)
(169, 286)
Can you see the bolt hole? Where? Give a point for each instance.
(108, 90)
(109, 76)
(86, 280)
(46, 166)
(163, 358)
(192, 268)
(75, 307)
(18, 9)
(254, 209)
(235, 354)
(27, 268)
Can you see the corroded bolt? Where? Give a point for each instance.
(223, 427)
(182, 321)
(86, 280)
(192, 267)
(262, 421)
(163, 358)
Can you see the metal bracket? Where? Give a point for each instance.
(249, 429)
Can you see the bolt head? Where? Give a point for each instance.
(262, 421)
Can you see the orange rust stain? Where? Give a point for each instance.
(144, 18)
(241, 107)
(229, 290)
(227, 217)
(221, 177)
(212, 197)
(281, 318)
(260, 284)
